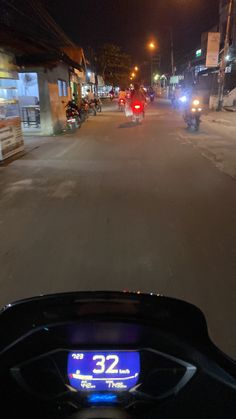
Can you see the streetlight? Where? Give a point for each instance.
(133, 75)
(152, 47)
(136, 68)
(172, 51)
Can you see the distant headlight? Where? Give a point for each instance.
(196, 102)
(183, 99)
(199, 109)
(193, 110)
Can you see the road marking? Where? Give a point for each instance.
(69, 148)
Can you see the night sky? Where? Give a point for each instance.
(130, 23)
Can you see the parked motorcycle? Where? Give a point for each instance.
(73, 115)
(89, 107)
(98, 104)
(111, 355)
(92, 107)
(84, 109)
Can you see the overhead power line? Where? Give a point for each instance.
(49, 22)
(33, 20)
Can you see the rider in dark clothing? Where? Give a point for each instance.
(137, 95)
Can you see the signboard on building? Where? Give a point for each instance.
(11, 140)
(100, 81)
(81, 75)
(91, 77)
(198, 53)
(176, 79)
(74, 78)
(7, 67)
(213, 48)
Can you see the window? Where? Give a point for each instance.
(62, 87)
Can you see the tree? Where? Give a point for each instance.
(114, 65)
(28, 80)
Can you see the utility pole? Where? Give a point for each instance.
(172, 52)
(223, 60)
(151, 69)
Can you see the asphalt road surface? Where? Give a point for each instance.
(116, 206)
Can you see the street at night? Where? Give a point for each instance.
(116, 206)
(118, 209)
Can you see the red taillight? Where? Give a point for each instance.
(137, 107)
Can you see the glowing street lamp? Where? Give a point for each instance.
(152, 46)
(136, 68)
(132, 74)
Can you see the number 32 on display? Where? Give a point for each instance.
(101, 362)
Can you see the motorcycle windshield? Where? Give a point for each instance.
(172, 316)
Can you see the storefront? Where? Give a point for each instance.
(11, 139)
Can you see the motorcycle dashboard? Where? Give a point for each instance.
(137, 352)
(103, 370)
(127, 375)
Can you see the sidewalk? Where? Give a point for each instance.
(217, 140)
(226, 118)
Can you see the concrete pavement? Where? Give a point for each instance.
(115, 206)
(217, 140)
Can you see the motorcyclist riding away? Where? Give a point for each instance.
(122, 94)
(138, 95)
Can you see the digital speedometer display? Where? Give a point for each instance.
(101, 371)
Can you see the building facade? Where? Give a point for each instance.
(50, 66)
(230, 82)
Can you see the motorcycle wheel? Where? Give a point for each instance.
(82, 117)
(196, 128)
(197, 124)
(78, 124)
(72, 126)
